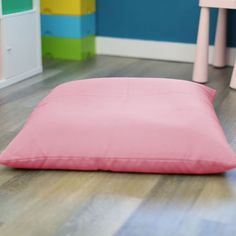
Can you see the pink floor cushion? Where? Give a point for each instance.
(126, 125)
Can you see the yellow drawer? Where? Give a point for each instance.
(68, 7)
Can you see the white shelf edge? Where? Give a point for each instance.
(7, 82)
(18, 13)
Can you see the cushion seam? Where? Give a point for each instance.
(120, 159)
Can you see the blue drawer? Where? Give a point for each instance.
(68, 26)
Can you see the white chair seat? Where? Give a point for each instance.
(227, 4)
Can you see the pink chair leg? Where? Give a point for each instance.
(219, 59)
(233, 79)
(200, 71)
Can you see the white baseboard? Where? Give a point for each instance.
(180, 52)
(7, 82)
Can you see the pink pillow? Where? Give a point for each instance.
(124, 124)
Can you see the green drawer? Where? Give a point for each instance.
(67, 48)
(13, 6)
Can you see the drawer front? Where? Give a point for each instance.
(65, 7)
(68, 26)
(71, 49)
(19, 44)
(13, 6)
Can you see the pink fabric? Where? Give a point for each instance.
(124, 124)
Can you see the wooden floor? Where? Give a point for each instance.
(60, 203)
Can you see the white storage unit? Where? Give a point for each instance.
(20, 45)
